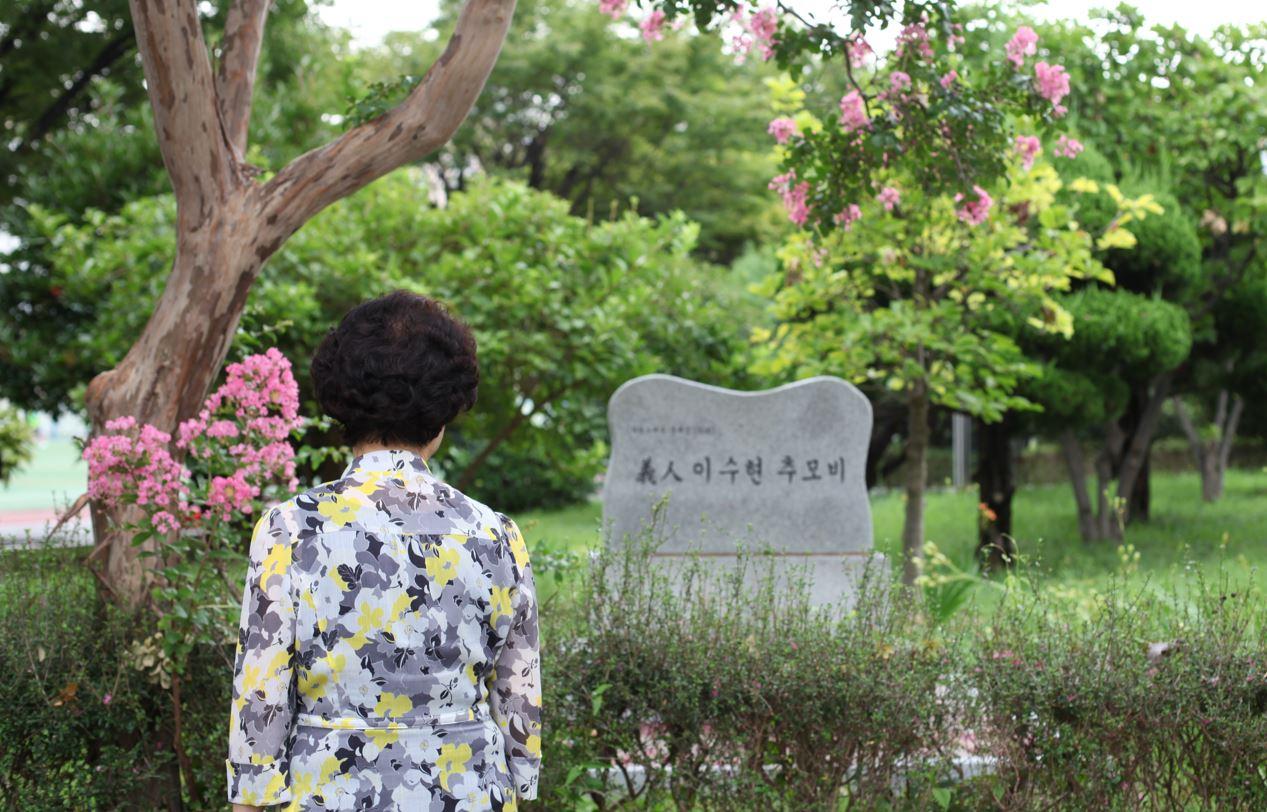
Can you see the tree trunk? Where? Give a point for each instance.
(889, 416)
(1107, 518)
(1211, 456)
(1071, 450)
(1134, 462)
(1139, 503)
(1211, 479)
(1124, 456)
(503, 434)
(916, 481)
(228, 224)
(167, 373)
(1138, 496)
(996, 482)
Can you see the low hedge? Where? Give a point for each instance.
(730, 697)
(714, 693)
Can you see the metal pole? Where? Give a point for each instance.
(961, 448)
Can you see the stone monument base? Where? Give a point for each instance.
(832, 577)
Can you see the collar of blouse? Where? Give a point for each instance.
(388, 459)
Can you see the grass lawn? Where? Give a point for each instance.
(1183, 534)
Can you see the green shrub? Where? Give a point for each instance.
(83, 728)
(1151, 703)
(713, 696)
(564, 310)
(713, 692)
(650, 689)
(77, 729)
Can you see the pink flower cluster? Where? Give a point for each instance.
(1022, 44)
(1067, 147)
(795, 196)
(858, 49)
(242, 427)
(258, 405)
(1051, 81)
(134, 462)
(756, 31)
(652, 26)
(948, 78)
(914, 37)
(782, 129)
(975, 212)
(889, 197)
(1028, 146)
(613, 8)
(848, 216)
(1053, 84)
(853, 112)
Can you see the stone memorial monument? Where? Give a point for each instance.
(780, 473)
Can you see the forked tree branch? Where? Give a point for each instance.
(235, 79)
(182, 92)
(422, 123)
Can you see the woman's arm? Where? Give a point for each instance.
(258, 763)
(515, 682)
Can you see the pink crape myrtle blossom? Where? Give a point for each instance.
(613, 8)
(232, 494)
(763, 26)
(914, 38)
(1053, 84)
(756, 31)
(652, 26)
(741, 40)
(782, 129)
(240, 434)
(848, 216)
(1067, 147)
(889, 197)
(899, 81)
(1028, 146)
(165, 522)
(853, 112)
(259, 394)
(948, 78)
(134, 462)
(975, 212)
(859, 50)
(795, 196)
(1022, 44)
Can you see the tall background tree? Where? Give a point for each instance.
(1187, 112)
(1189, 291)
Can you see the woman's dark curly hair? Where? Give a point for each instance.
(397, 369)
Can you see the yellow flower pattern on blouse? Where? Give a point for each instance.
(387, 650)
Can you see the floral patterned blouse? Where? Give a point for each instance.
(387, 653)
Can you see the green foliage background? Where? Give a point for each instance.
(564, 310)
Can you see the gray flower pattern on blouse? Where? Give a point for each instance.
(387, 650)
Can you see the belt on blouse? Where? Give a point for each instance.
(480, 711)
